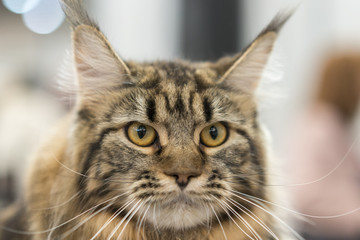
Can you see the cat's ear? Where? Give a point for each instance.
(244, 71)
(97, 64)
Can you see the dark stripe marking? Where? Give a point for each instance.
(167, 102)
(151, 84)
(85, 114)
(179, 105)
(200, 84)
(253, 153)
(207, 109)
(151, 109)
(94, 147)
(191, 100)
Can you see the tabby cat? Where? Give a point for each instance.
(159, 150)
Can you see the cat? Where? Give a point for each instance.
(157, 150)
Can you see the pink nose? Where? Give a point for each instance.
(182, 179)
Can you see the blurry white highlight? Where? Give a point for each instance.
(45, 18)
(20, 6)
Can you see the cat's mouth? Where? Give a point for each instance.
(186, 200)
(180, 212)
(181, 198)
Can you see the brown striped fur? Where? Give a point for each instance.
(89, 160)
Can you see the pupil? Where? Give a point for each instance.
(213, 132)
(141, 131)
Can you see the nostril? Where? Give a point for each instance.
(182, 180)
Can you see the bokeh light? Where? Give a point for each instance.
(20, 6)
(45, 17)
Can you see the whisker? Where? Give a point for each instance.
(141, 221)
(122, 220)
(299, 213)
(344, 158)
(60, 225)
(208, 218)
(253, 216)
(252, 230)
(73, 229)
(232, 179)
(326, 175)
(83, 175)
(66, 167)
(270, 213)
(222, 229)
(115, 215)
(240, 218)
(154, 219)
(143, 226)
(129, 219)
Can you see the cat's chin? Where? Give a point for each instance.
(180, 214)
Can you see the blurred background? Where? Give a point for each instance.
(321, 35)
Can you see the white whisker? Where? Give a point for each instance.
(77, 226)
(129, 219)
(270, 213)
(302, 214)
(154, 218)
(141, 221)
(122, 220)
(208, 218)
(115, 215)
(253, 217)
(60, 225)
(222, 229)
(66, 167)
(247, 225)
(326, 175)
(83, 175)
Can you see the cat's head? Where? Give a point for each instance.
(173, 141)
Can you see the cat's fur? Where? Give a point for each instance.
(89, 169)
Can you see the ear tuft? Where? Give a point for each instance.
(76, 13)
(277, 23)
(97, 64)
(247, 69)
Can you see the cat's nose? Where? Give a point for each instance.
(183, 179)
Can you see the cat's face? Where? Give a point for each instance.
(168, 143)
(174, 141)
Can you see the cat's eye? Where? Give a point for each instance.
(141, 134)
(213, 135)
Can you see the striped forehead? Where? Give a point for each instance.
(177, 91)
(161, 75)
(171, 93)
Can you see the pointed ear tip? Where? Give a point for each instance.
(83, 32)
(272, 30)
(278, 21)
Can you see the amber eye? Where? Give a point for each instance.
(141, 134)
(213, 135)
